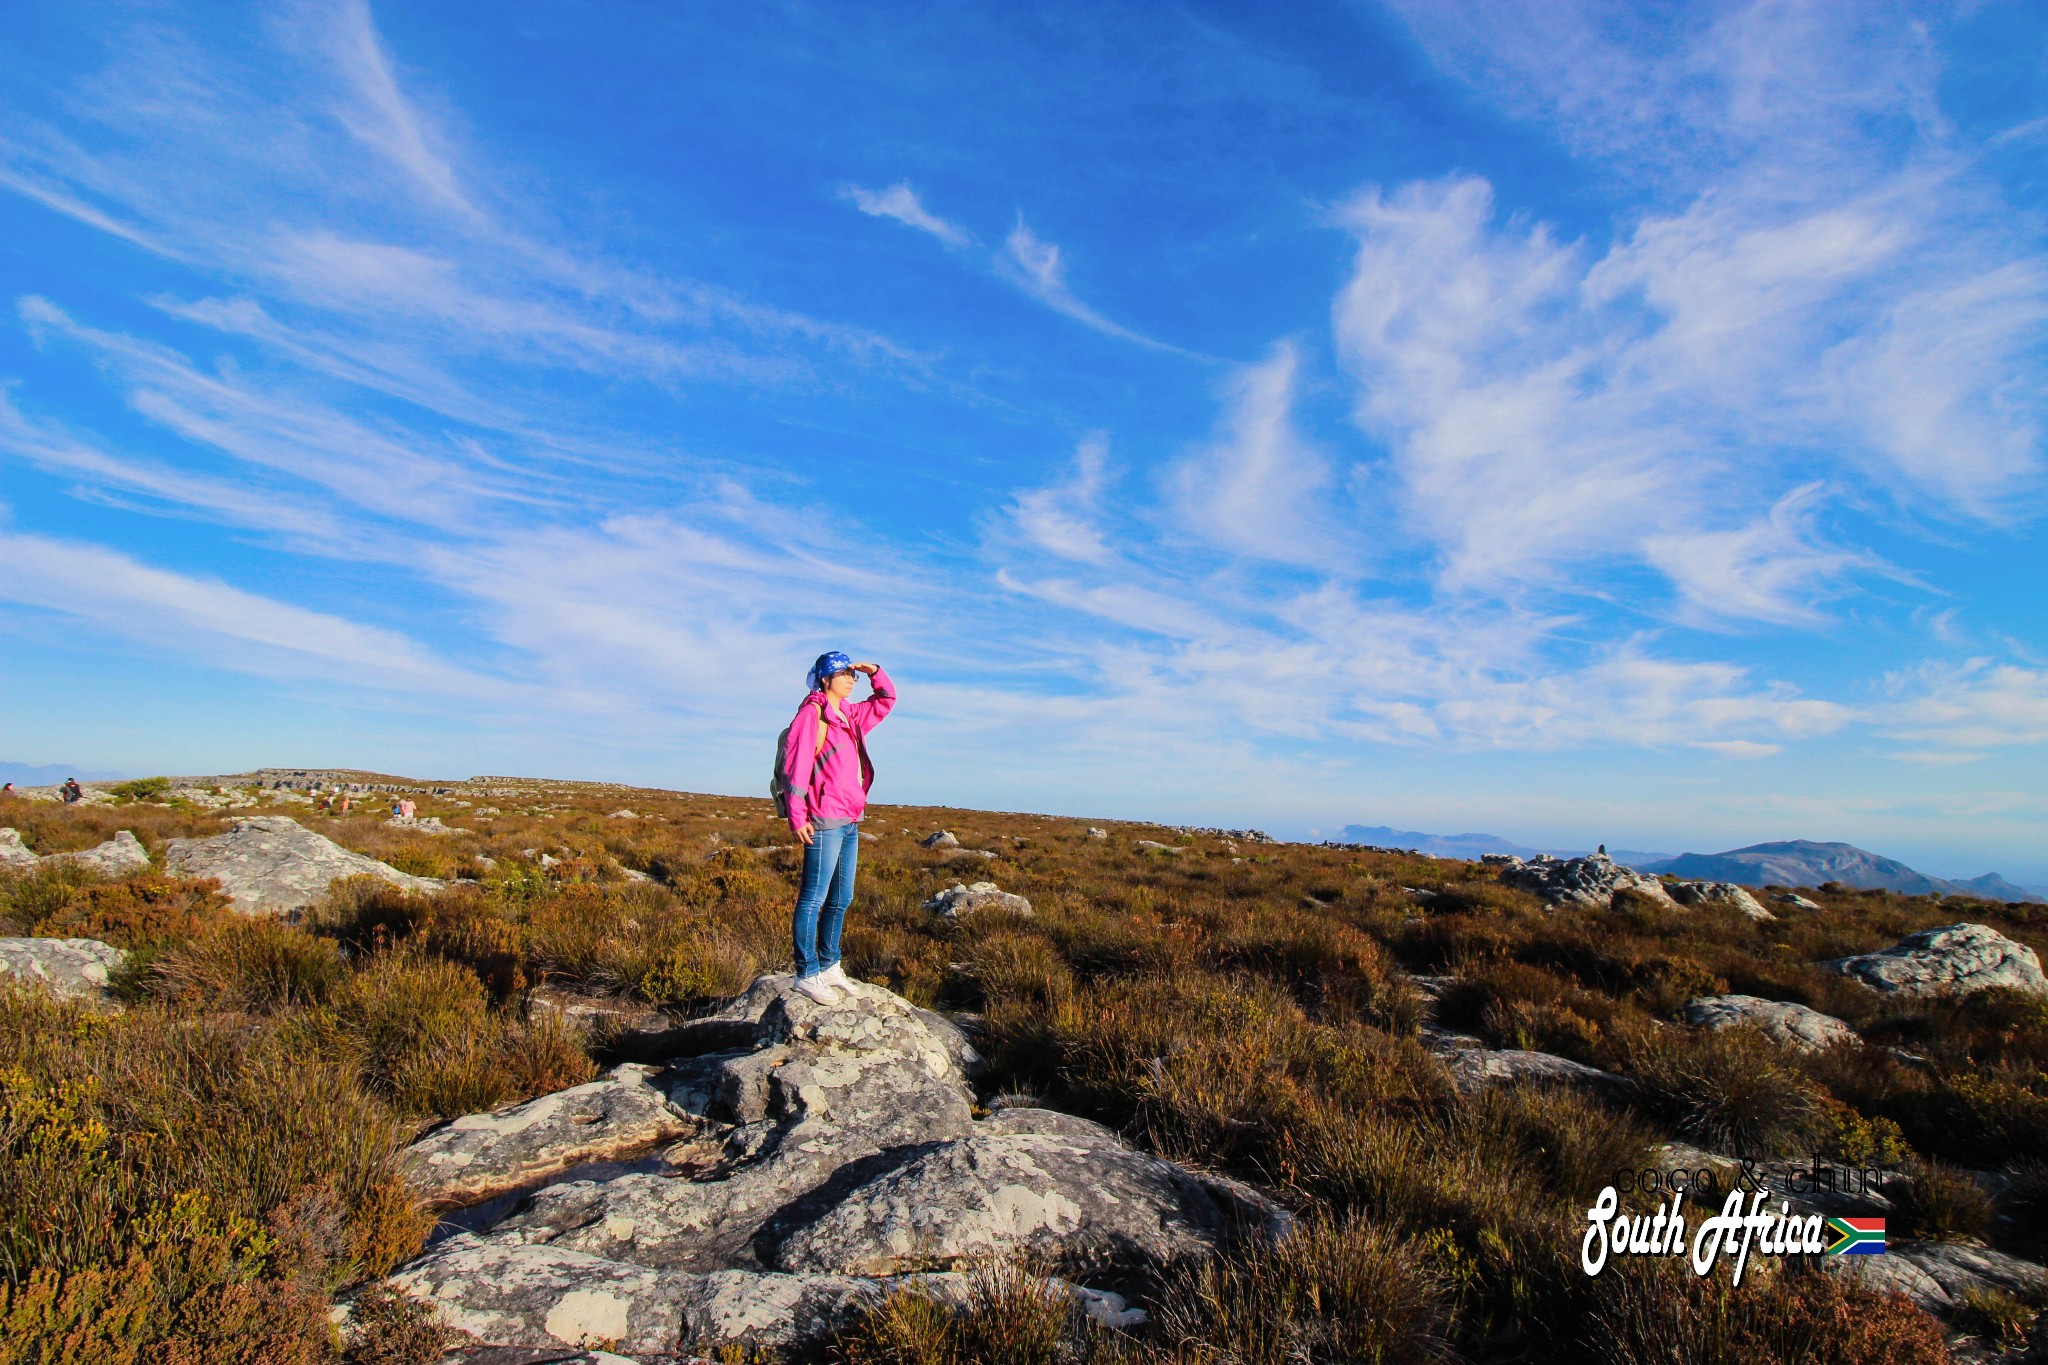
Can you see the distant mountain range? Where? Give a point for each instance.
(1471, 846)
(1802, 862)
(49, 774)
(1795, 862)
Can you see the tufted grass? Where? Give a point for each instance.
(1246, 1010)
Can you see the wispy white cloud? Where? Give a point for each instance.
(211, 620)
(1034, 265)
(1771, 570)
(901, 203)
(1261, 489)
(1065, 519)
(1969, 705)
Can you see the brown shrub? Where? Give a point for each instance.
(422, 1032)
(122, 1242)
(258, 966)
(1730, 1091)
(145, 911)
(1658, 1313)
(1938, 1203)
(1337, 1290)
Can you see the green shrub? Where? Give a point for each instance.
(142, 789)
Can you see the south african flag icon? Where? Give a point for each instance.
(1856, 1236)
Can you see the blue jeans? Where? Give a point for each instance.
(829, 862)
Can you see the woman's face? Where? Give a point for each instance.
(840, 685)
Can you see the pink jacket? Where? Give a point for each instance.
(832, 784)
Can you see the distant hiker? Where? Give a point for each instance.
(6, 789)
(822, 776)
(71, 791)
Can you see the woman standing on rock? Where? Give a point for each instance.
(825, 772)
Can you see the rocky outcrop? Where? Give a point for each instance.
(1589, 882)
(1955, 959)
(117, 857)
(1718, 893)
(68, 968)
(271, 864)
(1794, 1026)
(844, 1161)
(941, 838)
(481, 1156)
(973, 898)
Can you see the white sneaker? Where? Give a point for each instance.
(818, 987)
(835, 975)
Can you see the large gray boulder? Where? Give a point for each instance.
(1955, 959)
(1718, 893)
(482, 1156)
(68, 968)
(1589, 882)
(273, 865)
(1089, 1203)
(1794, 1026)
(842, 1161)
(973, 898)
(117, 857)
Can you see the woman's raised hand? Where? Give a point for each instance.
(868, 669)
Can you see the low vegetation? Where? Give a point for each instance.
(196, 1177)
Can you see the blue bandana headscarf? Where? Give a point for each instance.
(830, 662)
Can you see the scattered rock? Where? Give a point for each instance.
(957, 900)
(271, 864)
(1475, 1069)
(481, 1156)
(1795, 900)
(1154, 846)
(13, 852)
(1718, 893)
(1794, 1026)
(1955, 959)
(1095, 833)
(1589, 882)
(68, 968)
(622, 815)
(944, 838)
(421, 824)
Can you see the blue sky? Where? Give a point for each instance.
(1577, 422)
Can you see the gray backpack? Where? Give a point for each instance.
(778, 785)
